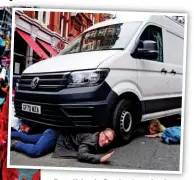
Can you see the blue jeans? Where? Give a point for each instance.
(35, 145)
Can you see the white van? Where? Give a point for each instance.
(117, 73)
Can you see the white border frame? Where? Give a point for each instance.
(100, 169)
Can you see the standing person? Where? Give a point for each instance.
(87, 145)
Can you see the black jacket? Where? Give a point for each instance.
(82, 146)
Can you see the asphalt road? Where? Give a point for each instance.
(141, 153)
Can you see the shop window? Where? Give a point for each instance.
(44, 17)
(36, 15)
(20, 57)
(93, 19)
(66, 30)
(61, 25)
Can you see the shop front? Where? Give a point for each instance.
(33, 42)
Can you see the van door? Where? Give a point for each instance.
(173, 56)
(153, 76)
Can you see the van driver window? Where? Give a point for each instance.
(154, 33)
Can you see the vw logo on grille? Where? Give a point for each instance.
(34, 82)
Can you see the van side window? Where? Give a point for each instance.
(154, 33)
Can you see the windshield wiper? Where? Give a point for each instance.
(112, 49)
(104, 49)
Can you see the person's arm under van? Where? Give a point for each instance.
(154, 135)
(84, 155)
(159, 134)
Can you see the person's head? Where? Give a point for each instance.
(25, 128)
(154, 127)
(106, 137)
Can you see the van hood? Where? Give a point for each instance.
(71, 62)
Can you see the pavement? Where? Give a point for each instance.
(141, 153)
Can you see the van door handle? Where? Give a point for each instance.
(173, 71)
(163, 71)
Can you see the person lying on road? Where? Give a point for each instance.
(169, 135)
(86, 145)
(155, 129)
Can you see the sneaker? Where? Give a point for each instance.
(13, 144)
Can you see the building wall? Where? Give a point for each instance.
(37, 29)
(30, 14)
(69, 24)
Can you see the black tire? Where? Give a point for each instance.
(123, 120)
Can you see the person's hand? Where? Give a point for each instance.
(106, 157)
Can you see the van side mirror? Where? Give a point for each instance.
(146, 50)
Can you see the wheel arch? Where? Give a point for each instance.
(138, 108)
(132, 97)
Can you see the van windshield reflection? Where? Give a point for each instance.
(112, 37)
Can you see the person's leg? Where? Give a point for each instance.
(25, 137)
(45, 144)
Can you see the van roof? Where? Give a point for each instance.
(160, 20)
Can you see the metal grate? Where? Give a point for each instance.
(47, 82)
(54, 115)
(49, 114)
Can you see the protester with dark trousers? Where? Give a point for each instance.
(87, 145)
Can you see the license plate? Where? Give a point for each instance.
(31, 108)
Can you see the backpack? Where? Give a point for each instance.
(172, 135)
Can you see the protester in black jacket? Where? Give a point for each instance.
(86, 145)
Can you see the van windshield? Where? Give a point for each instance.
(113, 37)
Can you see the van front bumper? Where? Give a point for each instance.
(86, 107)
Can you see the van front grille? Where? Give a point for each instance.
(46, 82)
(56, 115)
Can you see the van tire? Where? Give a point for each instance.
(123, 120)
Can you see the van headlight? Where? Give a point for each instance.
(87, 78)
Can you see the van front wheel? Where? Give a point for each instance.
(123, 120)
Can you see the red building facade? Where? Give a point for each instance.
(68, 24)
